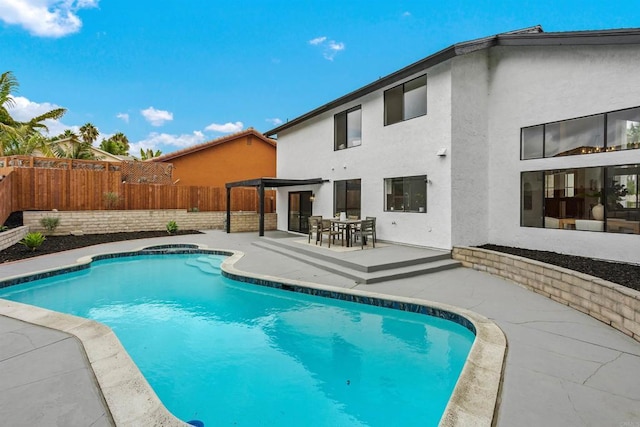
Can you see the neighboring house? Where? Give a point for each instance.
(99, 154)
(486, 141)
(240, 156)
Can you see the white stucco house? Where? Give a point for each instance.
(512, 139)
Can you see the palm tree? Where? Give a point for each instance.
(122, 140)
(89, 133)
(25, 141)
(110, 146)
(149, 154)
(17, 134)
(118, 144)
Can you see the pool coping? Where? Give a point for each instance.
(131, 400)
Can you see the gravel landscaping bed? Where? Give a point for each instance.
(623, 274)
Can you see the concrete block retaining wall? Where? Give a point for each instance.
(115, 221)
(13, 236)
(613, 304)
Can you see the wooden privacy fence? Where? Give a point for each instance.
(6, 199)
(131, 171)
(83, 189)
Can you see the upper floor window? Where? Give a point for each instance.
(348, 128)
(406, 194)
(618, 130)
(406, 101)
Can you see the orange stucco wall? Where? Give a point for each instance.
(247, 157)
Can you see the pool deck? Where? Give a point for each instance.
(563, 368)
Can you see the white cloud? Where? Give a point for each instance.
(406, 14)
(330, 48)
(275, 121)
(156, 117)
(166, 142)
(317, 40)
(24, 110)
(123, 116)
(225, 128)
(45, 18)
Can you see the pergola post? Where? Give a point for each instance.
(261, 207)
(228, 225)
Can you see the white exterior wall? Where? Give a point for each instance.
(535, 85)
(470, 149)
(477, 104)
(402, 149)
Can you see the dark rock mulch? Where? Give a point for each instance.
(55, 244)
(623, 274)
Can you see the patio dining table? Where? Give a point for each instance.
(347, 225)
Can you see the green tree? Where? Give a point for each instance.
(110, 146)
(69, 146)
(89, 133)
(26, 141)
(123, 142)
(16, 135)
(118, 144)
(149, 154)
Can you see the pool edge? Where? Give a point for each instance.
(130, 399)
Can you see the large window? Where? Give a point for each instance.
(347, 197)
(590, 199)
(406, 101)
(406, 194)
(618, 130)
(348, 128)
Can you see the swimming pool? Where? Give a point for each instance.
(310, 360)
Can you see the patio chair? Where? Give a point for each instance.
(373, 218)
(326, 227)
(314, 227)
(367, 228)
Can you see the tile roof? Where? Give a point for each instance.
(213, 143)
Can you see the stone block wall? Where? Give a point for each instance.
(250, 221)
(613, 304)
(13, 236)
(115, 221)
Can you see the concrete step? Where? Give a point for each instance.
(377, 273)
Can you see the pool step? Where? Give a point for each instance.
(382, 264)
(206, 264)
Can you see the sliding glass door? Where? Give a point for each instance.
(300, 209)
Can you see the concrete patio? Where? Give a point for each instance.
(563, 368)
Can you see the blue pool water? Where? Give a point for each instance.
(231, 353)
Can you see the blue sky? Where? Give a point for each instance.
(170, 74)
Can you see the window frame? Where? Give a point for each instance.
(607, 146)
(620, 207)
(416, 199)
(341, 135)
(350, 209)
(390, 96)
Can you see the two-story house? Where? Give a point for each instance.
(525, 138)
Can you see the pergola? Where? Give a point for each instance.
(261, 184)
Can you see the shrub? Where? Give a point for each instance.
(111, 199)
(194, 209)
(33, 240)
(3, 228)
(172, 227)
(50, 223)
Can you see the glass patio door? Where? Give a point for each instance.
(300, 209)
